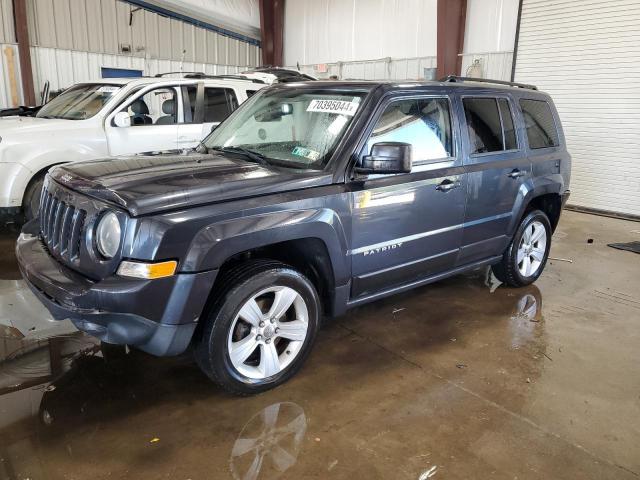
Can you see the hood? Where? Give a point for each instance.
(27, 126)
(144, 184)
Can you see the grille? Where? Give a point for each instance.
(61, 226)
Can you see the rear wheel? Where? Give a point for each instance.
(261, 328)
(526, 256)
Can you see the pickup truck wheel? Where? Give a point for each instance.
(261, 328)
(526, 256)
(31, 201)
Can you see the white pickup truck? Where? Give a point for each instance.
(116, 116)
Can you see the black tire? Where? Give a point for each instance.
(237, 286)
(507, 270)
(31, 200)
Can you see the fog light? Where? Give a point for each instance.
(147, 270)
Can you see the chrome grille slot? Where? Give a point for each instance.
(61, 226)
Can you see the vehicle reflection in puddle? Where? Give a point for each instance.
(269, 443)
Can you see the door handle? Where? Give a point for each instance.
(447, 185)
(516, 173)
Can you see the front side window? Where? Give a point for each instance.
(425, 123)
(297, 128)
(156, 107)
(539, 123)
(219, 103)
(79, 102)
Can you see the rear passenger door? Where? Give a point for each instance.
(496, 168)
(205, 107)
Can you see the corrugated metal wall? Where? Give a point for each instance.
(63, 68)
(494, 65)
(7, 34)
(106, 26)
(378, 69)
(321, 31)
(72, 39)
(585, 55)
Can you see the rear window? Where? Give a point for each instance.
(539, 123)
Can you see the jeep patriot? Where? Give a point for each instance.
(310, 199)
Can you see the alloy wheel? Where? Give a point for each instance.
(532, 248)
(268, 332)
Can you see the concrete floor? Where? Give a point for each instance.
(448, 381)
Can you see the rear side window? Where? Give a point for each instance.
(489, 125)
(425, 123)
(538, 120)
(218, 104)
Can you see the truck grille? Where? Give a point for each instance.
(61, 226)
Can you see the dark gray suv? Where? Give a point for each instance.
(308, 200)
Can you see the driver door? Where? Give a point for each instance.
(154, 115)
(406, 227)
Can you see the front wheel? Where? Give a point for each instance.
(261, 328)
(526, 256)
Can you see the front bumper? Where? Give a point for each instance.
(157, 316)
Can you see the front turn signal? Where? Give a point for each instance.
(148, 271)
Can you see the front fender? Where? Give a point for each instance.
(34, 159)
(530, 189)
(214, 244)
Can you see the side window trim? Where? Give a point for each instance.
(186, 104)
(513, 122)
(394, 99)
(198, 117)
(495, 152)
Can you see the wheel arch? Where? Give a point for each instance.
(311, 241)
(544, 194)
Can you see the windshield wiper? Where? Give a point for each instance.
(248, 154)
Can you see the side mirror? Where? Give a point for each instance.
(387, 157)
(122, 119)
(213, 127)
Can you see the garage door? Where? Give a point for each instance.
(586, 54)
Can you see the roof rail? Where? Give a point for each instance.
(455, 78)
(230, 77)
(158, 75)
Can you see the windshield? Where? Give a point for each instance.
(292, 128)
(79, 102)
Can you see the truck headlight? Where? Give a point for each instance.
(108, 233)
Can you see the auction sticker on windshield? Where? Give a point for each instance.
(333, 106)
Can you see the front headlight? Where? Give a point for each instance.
(108, 233)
